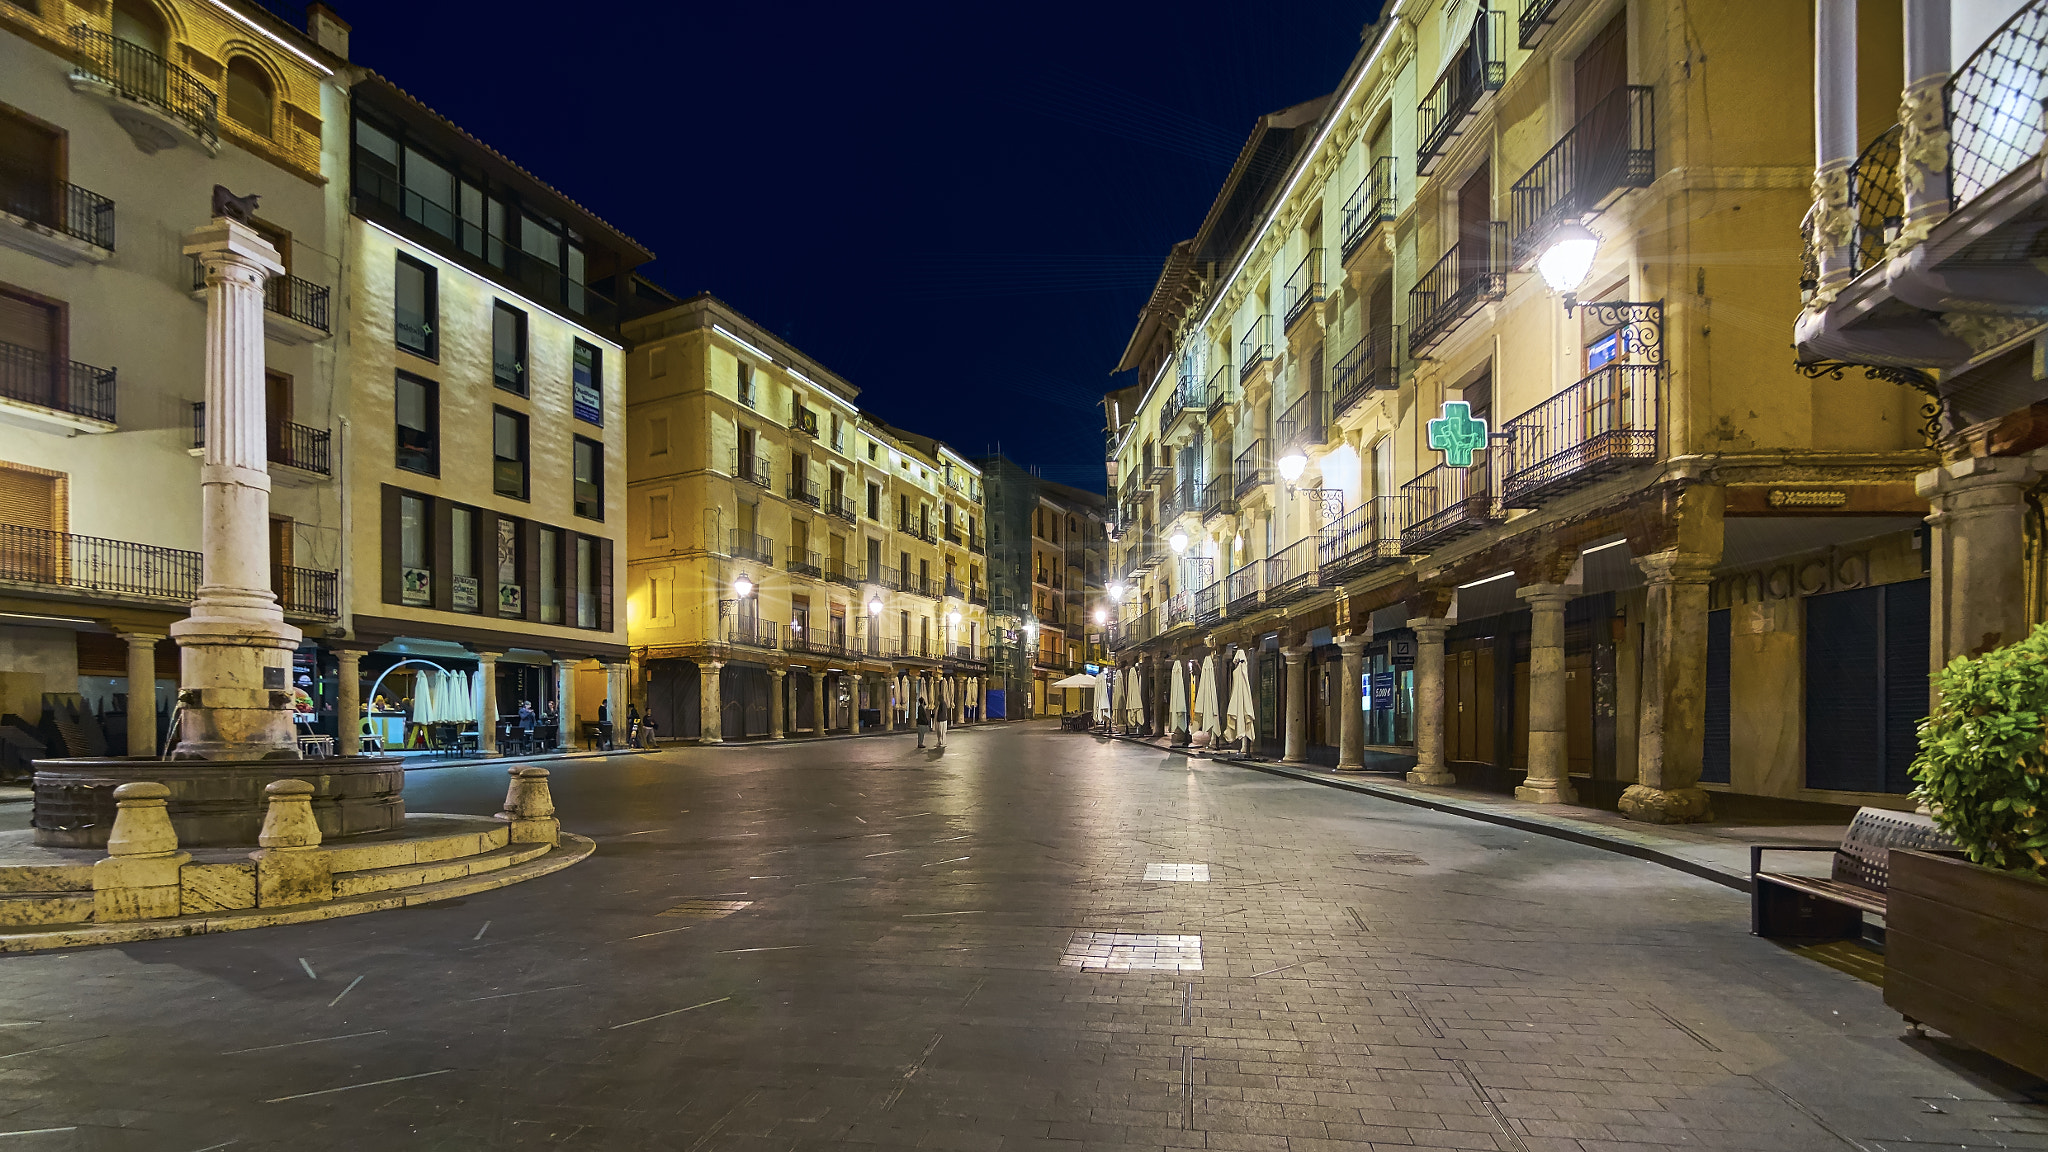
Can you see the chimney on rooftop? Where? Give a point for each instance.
(328, 30)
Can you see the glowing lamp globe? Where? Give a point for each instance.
(875, 606)
(1179, 542)
(1101, 616)
(743, 587)
(1292, 466)
(953, 618)
(1116, 592)
(1568, 259)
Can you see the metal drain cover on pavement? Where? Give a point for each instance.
(1133, 952)
(1195, 873)
(1390, 858)
(706, 909)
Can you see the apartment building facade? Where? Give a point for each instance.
(797, 565)
(117, 120)
(1461, 418)
(1048, 555)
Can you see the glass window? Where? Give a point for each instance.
(510, 602)
(429, 192)
(418, 420)
(413, 307)
(508, 453)
(494, 229)
(376, 163)
(540, 241)
(416, 583)
(588, 480)
(586, 383)
(746, 384)
(462, 553)
(472, 219)
(508, 347)
(586, 582)
(576, 301)
(550, 576)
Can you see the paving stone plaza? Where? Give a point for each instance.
(1033, 940)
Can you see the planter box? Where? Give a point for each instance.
(1967, 953)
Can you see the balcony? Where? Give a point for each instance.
(1174, 611)
(1373, 203)
(308, 592)
(1444, 504)
(888, 578)
(1602, 424)
(1256, 347)
(843, 572)
(292, 445)
(805, 422)
(803, 562)
(802, 638)
(1241, 588)
(1306, 423)
(1479, 67)
(1876, 199)
(977, 543)
(1146, 555)
(1216, 394)
(801, 491)
(922, 530)
(1365, 538)
(753, 469)
(1250, 470)
(1369, 367)
(294, 310)
(954, 590)
(844, 508)
(1538, 17)
(1206, 606)
(747, 546)
(977, 594)
(1218, 499)
(1472, 273)
(38, 380)
(1305, 287)
(1158, 475)
(1186, 397)
(1610, 150)
(1996, 121)
(61, 223)
(155, 101)
(950, 533)
(96, 566)
(966, 655)
(753, 632)
(1294, 572)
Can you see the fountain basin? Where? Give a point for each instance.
(215, 803)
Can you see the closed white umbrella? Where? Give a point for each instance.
(1206, 716)
(1102, 694)
(1243, 717)
(1177, 708)
(423, 697)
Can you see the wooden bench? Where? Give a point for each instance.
(1832, 907)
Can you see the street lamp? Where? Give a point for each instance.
(1291, 467)
(1116, 591)
(743, 587)
(1568, 259)
(1332, 499)
(1178, 542)
(1101, 617)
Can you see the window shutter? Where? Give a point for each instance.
(392, 543)
(486, 552)
(529, 543)
(1716, 745)
(604, 584)
(442, 515)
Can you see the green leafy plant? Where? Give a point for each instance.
(1983, 763)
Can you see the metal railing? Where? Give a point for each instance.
(1216, 393)
(1445, 503)
(1367, 537)
(1537, 18)
(142, 75)
(1611, 148)
(62, 207)
(1293, 572)
(288, 296)
(843, 507)
(843, 572)
(1187, 396)
(1993, 105)
(748, 546)
(1368, 367)
(977, 595)
(1207, 604)
(977, 543)
(1306, 423)
(1372, 203)
(38, 378)
(1876, 199)
(1605, 422)
(1256, 346)
(805, 421)
(968, 654)
(888, 578)
(1218, 499)
(1465, 278)
(954, 590)
(293, 445)
(94, 564)
(753, 468)
(309, 592)
(753, 632)
(1241, 588)
(1479, 67)
(803, 562)
(800, 489)
(1250, 468)
(1305, 286)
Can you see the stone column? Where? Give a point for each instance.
(1350, 705)
(1429, 702)
(853, 690)
(348, 703)
(235, 648)
(819, 717)
(778, 685)
(142, 692)
(565, 703)
(1835, 142)
(1549, 779)
(1294, 745)
(615, 698)
(889, 702)
(1979, 553)
(710, 710)
(1672, 714)
(1923, 135)
(487, 724)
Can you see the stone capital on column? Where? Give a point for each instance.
(1546, 595)
(1353, 643)
(1427, 628)
(1675, 567)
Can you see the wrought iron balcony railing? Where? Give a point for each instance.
(804, 421)
(97, 565)
(1479, 67)
(308, 592)
(1445, 503)
(1993, 105)
(748, 546)
(803, 562)
(1217, 394)
(976, 594)
(1538, 16)
(1472, 273)
(38, 378)
(843, 572)
(844, 508)
(1611, 149)
(888, 578)
(1218, 499)
(800, 489)
(1294, 572)
(1603, 423)
(977, 543)
(1369, 367)
(753, 468)
(1367, 537)
(65, 208)
(1876, 199)
(1372, 204)
(141, 75)
(1256, 346)
(293, 445)
(753, 632)
(1207, 604)
(1305, 287)
(288, 296)
(1186, 397)
(1250, 468)
(1241, 588)
(1306, 423)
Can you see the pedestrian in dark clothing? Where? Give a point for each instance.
(924, 721)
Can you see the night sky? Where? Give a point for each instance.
(958, 208)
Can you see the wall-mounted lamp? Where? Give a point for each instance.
(743, 587)
(1178, 541)
(1567, 260)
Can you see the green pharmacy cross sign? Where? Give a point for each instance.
(1456, 434)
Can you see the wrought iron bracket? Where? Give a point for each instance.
(1641, 323)
(1912, 378)
(1331, 500)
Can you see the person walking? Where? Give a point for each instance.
(939, 716)
(924, 719)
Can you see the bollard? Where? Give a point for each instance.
(290, 867)
(530, 807)
(139, 878)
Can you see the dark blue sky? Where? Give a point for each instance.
(958, 208)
